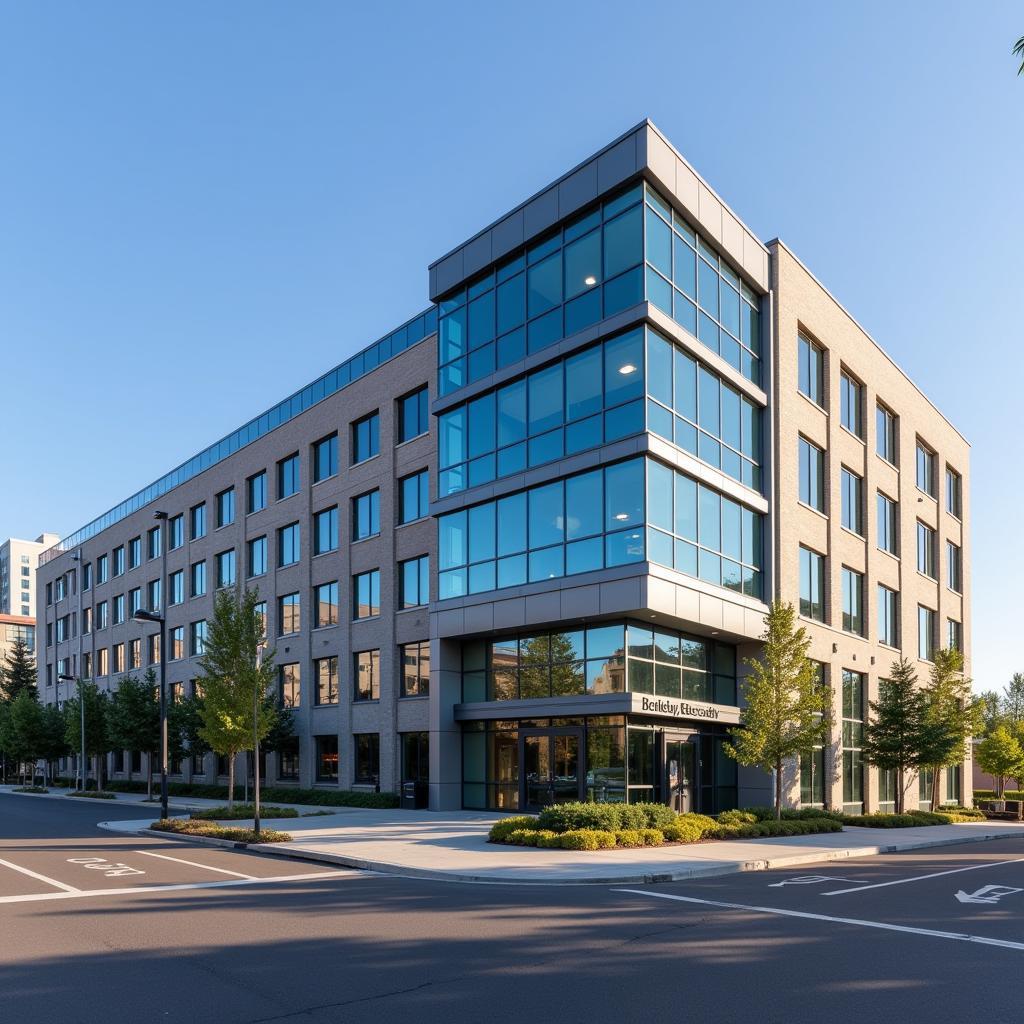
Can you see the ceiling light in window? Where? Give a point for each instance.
(627, 369)
(622, 516)
(590, 281)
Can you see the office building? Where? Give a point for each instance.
(18, 562)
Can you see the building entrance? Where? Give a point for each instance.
(550, 760)
(680, 772)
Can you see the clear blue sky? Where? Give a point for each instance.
(204, 206)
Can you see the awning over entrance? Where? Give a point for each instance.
(600, 704)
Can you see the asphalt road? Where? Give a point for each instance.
(207, 934)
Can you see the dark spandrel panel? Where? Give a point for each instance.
(408, 334)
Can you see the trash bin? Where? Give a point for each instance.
(414, 796)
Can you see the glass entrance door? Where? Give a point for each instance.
(551, 767)
(680, 773)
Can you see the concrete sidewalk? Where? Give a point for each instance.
(452, 846)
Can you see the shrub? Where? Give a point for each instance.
(550, 840)
(793, 813)
(737, 818)
(652, 836)
(702, 822)
(629, 837)
(30, 789)
(522, 837)
(886, 821)
(605, 817)
(658, 815)
(240, 811)
(962, 813)
(501, 830)
(92, 794)
(579, 839)
(211, 830)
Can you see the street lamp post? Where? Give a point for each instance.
(150, 616)
(81, 709)
(256, 747)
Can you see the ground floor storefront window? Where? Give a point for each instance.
(527, 764)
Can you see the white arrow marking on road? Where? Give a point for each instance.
(986, 894)
(806, 880)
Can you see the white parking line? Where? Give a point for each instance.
(921, 878)
(42, 878)
(194, 864)
(75, 894)
(955, 936)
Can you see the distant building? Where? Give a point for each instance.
(13, 628)
(18, 562)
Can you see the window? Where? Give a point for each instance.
(134, 600)
(853, 503)
(135, 653)
(288, 552)
(326, 599)
(325, 458)
(119, 560)
(198, 582)
(325, 531)
(954, 635)
(853, 741)
(102, 570)
(176, 587)
(226, 507)
(954, 793)
(154, 649)
(367, 675)
(810, 370)
(926, 550)
(326, 670)
(197, 517)
(413, 497)
(415, 660)
(288, 759)
(954, 493)
(888, 616)
(87, 665)
(101, 615)
(176, 649)
(291, 684)
(257, 556)
(260, 611)
(119, 609)
(925, 633)
(153, 595)
(954, 567)
(366, 515)
(288, 614)
(366, 594)
(175, 532)
(102, 661)
(116, 658)
(925, 469)
(86, 621)
(366, 438)
(812, 475)
(256, 492)
(367, 767)
(812, 584)
(888, 525)
(885, 434)
(851, 404)
(326, 758)
(415, 756)
(197, 638)
(288, 476)
(853, 601)
(414, 582)
(413, 415)
(226, 568)
(153, 543)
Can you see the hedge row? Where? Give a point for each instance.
(209, 829)
(913, 819)
(281, 794)
(243, 811)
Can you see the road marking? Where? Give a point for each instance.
(73, 894)
(42, 878)
(955, 936)
(806, 880)
(921, 878)
(109, 868)
(986, 894)
(194, 864)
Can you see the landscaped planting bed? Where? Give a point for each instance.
(211, 830)
(588, 826)
(242, 811)
(915, 819)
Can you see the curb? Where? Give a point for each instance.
(61, 795)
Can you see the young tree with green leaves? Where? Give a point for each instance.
(134, 716)
(1001, 755)
(786, 714)
(234, 679)
(23, 737)
(97, 742)
(184, 726)
(894, 730)
(55, 744)
(18, 672)
(951, 716)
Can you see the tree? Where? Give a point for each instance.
(1011, 705)
(1000, 755)
(992, 713)
(233, 680)
(1018, 51)
(951, 716)
(23, 730)
(786, 714)
(184, 725)
(893, 734)
(18, 672)
(96, 741)
(134, 716)
(55, 743)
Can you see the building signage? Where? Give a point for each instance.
(672, 707)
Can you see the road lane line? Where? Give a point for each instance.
(906, 929)
(42, 878)
(921, 878)
(77, 894)
(194, 864)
